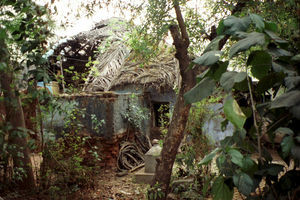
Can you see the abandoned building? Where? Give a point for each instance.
(112, 78)
(113, 84)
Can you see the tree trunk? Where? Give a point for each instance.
(15, 117)
(181, 110)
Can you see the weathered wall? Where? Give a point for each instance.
(107, 106)
(212, 125)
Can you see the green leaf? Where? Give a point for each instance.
(292, 82)
(234, 24)
(242, 86)
(3, 66)
(270, 169)
(221, 28)
(281, 68)
(228, 79)
(274, 169)
(276, 38)
(234, 113)
(208, 58)
(2, 34)
(252, 39)
(214, 44)
(286, 145)
(239, 77)
(278, 52)
(209, 157)
(249, 165)
(261, 63)
(271, 26)
(295, 110)
(202, 90)
(288, 99)
(258, 21)
(244, 183)
(296, 58)
(220, 190)
(268, 81)
(220, 70)
(284, 131)
(236, 157)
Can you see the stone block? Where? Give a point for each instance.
(150, 158)
(142, 177)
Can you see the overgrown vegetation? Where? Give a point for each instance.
(258, 70)
(273, 103)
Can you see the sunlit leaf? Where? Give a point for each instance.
(234, 24)
(234, 113)
(287, 99)
(251, 40)
(214, 44)
(209, 157)
(208, 58)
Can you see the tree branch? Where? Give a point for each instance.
(184, 35)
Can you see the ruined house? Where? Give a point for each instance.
(111, 79)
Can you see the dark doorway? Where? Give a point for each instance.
(161, 114)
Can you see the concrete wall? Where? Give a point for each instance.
(107, 106)
(212, 125)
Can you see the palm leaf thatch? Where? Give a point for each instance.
(112, 68)
(163, 74)
(107, 68)
(78, 50)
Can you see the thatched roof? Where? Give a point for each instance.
(113, 67)
(161, 74)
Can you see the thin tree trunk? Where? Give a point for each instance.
(15, 116)
(181, 110)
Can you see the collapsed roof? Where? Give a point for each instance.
(112, 68)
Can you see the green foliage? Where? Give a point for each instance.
(202, 90)
(221, 190)
(25, 29)
(135, 114)
(65, 165)
(165, 113)
(77, 77)
(208, 58)
(155, 192)
(193, 148)
(71, 161)
(263, 49)
(234, 113)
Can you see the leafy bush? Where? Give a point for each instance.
(136, 114)
(269, 70)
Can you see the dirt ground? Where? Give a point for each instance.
(108, 186)
(112, 187)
